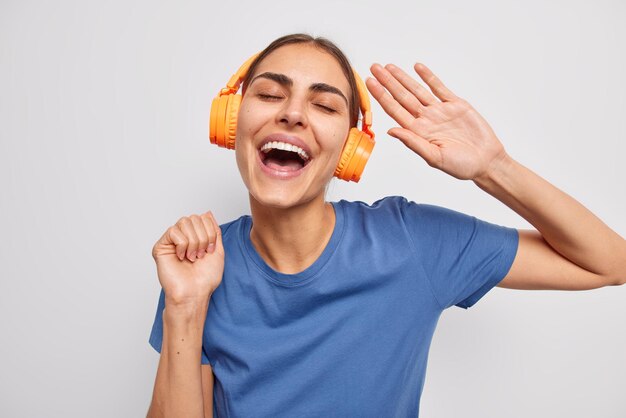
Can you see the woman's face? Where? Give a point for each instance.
(298, 96)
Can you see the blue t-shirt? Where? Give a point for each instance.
(349, 336)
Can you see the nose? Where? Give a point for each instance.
(293, 113)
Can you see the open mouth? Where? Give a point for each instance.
(283, 157)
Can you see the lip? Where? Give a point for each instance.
(289, 139)
(277, 174)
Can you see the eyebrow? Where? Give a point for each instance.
(283, 80)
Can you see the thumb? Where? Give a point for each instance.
(423, 148)
(219, 246)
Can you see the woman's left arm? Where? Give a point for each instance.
(572, 249)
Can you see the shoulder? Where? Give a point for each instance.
(403, 207)
(388, 215)
(230, 228)
(422, 222)
(382, 204)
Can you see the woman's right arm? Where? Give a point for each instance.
(178, 390)
(189, 275)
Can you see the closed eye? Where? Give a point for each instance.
(326, 108)
(268, 97)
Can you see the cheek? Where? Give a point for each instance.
(246, 127)
(251, 119)
(243, 117)
(337, 138)
(242, 135)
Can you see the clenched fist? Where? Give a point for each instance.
(190, 259)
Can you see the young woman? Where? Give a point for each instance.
(327, 309)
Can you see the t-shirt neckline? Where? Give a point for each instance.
(308, 274)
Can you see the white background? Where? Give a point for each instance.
(103, 128)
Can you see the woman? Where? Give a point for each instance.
(327, 309)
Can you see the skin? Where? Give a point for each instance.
(571, 248)
(292, 223)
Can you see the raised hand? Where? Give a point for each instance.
(442, 128)
(190, 259)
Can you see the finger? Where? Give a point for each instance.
(175, 236)
(186, 226)
(210, 230)
(429, 152)
(423, 95)
(408, 100)
(435, 84)
(388, 103)
(203, 238)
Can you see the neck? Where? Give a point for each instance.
(291, 239)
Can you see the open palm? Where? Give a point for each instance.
(442, 128)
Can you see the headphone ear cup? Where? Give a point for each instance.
(354, 156)
(346, 155)
(213, 120)
(362, 155)
(232, 112)
(218, 119)
(223, 121)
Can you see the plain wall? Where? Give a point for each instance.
(103, 127)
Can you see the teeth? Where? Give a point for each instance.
(285, 147)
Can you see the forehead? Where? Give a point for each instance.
(305, 64)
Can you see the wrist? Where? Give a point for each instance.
(188, 311)
(497, 169)
(186, 299)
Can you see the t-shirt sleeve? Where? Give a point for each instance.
(156, 335)
(464, 257)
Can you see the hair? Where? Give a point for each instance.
(325, 45)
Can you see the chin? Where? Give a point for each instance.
(271, 191)
(278, 199)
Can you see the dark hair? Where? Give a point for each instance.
(323, 44)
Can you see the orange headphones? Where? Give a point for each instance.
(356, 150)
